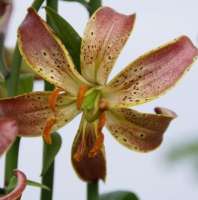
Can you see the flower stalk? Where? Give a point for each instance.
(93, 191)
(48, 178)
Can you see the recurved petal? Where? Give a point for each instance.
(46, 55)
(8, 133)
(139, 131)
(32, 110)
(152, 74)
(104, 37)
(20, 187)
(88, 168)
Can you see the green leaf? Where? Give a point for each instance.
(94, 5)
(183, 151)
(2, 192)
(90, 5)
(36, 184)
(119, 195)
(25, 83)
(67, 34)
(51, 152)
(11, 185)
(2, 60)
(83, 2)
(3, 91)
(2, 79)
(13, 182)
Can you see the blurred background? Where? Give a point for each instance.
(153, 176)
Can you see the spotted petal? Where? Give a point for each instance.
(8, 133)
(32, 110)
(46, 55)
(88, 168)
(139, 131)
(104, 37)
(152, 74)
(20, 187)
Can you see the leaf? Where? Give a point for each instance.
(25, 83)
(3, 91)
(36, 184)
(67, 34)
(2, 61)
(83, 2)
(94, 5)
(51, 152)
(2, 192)
(12, 184)
(119, 195)
(183, 151)
(91, 5)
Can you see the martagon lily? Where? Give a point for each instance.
(101, 102)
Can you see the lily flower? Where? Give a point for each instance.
(101, 102)
(18, 190)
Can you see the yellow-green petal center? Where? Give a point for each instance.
(90, 105)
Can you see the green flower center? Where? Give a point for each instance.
(90, 105)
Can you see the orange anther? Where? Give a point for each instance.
(100, 139)
(80, 97)
(97, 146)
(79, 152)
(47, 130)
(102, 121)
(53, 98)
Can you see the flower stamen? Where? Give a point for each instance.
(53, 98)
(80, 96)
(79, 152)
(100, 138)
(97, 146)
(47, 130)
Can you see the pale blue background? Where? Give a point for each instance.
(147, 174)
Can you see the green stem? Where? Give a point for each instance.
(11, 162)
(2, 64)
(37, 4)
(48, 178)
(93, 191)
(2, 191)
(13, 79)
